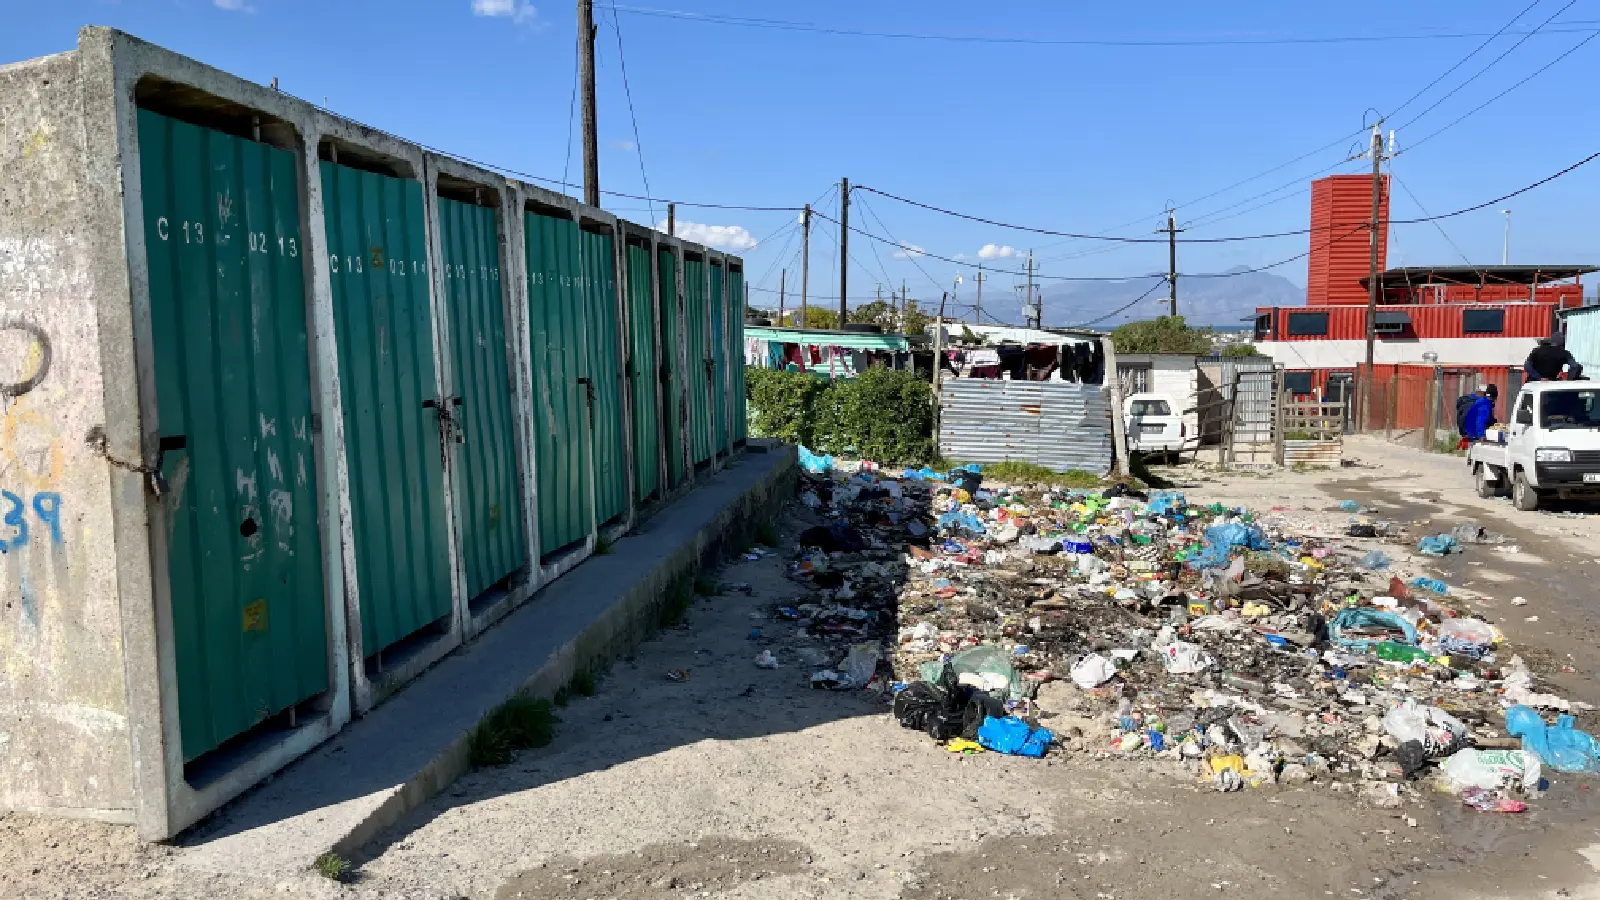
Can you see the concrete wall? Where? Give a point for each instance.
(64, 741)
(88, 680)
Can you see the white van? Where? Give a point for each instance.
(1153, 424)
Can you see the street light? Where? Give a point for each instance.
(1505, 250)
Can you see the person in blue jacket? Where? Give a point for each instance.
(1479, 416)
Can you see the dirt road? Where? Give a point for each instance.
(742, 782)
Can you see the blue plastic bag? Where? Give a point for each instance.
(1375, 560)
(1559, 746)
(1166, 503)
(1349, 506)
(1431, 584)
(1234, 534)
(922, 474)
(1011, 735)
(1366, 617)
(957, 520)
(816, 465)
(1437, 545)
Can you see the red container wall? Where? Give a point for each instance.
(1349, 323)
(1341, 208)
(1413, 384)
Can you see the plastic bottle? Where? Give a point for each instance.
(1394, 652)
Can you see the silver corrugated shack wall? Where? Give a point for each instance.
(1058, 425)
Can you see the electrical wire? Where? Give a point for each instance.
(787, 25)
(1442, 232)
(1492, 63)
(1476, 109)
(1463, 61)
(1136, 301)
(638, 146)
(572, 110)
(911, 251)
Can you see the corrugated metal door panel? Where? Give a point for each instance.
(378, 270)
(561, 418)
(233, 390)
(605, 368)
(719, 355)
(671, 375)
(1059, 425)
(697, 325)
(739, 417)
(643, 372)
(1583, 339)
(488, 488)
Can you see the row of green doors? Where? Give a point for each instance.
(238, 423)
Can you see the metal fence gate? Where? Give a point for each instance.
(1060, 425)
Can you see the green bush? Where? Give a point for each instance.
(882, 415)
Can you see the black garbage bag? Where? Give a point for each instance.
(980, 705)
(1412, 758)
(968, 480)
(1122, 490)
(837, 537)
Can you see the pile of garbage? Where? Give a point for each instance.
(1122, 623)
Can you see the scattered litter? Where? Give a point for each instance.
(766, 660)
(1519, 601)
(678, 675)
(1438, 545)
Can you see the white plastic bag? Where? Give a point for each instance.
(1184, 658)
(1437, 731)
(1492, 770)
(1473, 631)
(1092, 671)
(860, 664)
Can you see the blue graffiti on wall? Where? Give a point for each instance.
(13, 517)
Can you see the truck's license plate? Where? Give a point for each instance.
(1591, 477)
(1157, 429)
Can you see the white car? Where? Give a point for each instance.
(1153, 426)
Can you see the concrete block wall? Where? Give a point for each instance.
(88, 679)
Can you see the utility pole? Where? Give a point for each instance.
(844, 247)
(1505, 249)
(1372, 267)
(1033, 311)
(783, 280)
(672, 219)
(805, 263)
(591, 143)
(1172, 231)
(977, 309)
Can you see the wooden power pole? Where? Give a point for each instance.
(805, 262)
(1372, 270)
(844, 248)
(783, 280)
(591, 146)
(977, 306)
(672, 219)
(1172, 231)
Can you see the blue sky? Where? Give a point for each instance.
(1065, 137)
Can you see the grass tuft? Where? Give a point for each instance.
(584, 683)
(332, 866)
(520, 723)
(767, 534)
(675, 606)
(707, 587)
(602, 546)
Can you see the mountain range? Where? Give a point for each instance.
(1201, 300)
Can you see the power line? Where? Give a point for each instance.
(638, 146)
(1442, 232)
(1120, 309)
(787, 25)
(1492, 63)
(1463, 61)
(1476, 109)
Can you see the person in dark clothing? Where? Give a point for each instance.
(1549, 358)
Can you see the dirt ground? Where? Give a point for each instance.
(741, 782)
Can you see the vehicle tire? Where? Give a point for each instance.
(1523, 495)
(1487, 487)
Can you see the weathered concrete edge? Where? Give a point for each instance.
(625, 622)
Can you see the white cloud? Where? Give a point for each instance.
(909, 251)
(624, 146)
(997, 251)
(235, 6)
(722, 237)
(518, 11)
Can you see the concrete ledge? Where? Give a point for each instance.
(415, 745)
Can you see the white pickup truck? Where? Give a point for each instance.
(1551, 448)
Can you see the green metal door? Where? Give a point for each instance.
(739, 418)
(671, 375)
(697, 325)
(233, 397)
(605, 365)
(719, 356)
(378, 269)
(561, 381)
(642, 368)
(488, 491)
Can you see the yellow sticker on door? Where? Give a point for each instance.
(255, 616)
